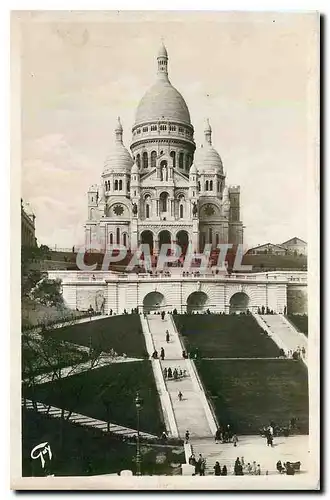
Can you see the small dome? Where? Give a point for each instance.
(162, 52)
(118, 160)
(193, 169)
(135, 169)
(207, 160)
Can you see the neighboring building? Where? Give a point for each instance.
(164, 191)
(267, 248)
(295, 246)
(28, 238)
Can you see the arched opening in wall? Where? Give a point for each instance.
(163, 202)
(197, 301)
(153, 301)
(217, 239)
(181, 160)
(147, 211)
(111, 239)
(206, 185)
(199, 186)
(118, 236)
(182, 239)
(125, 239)
(138, 161)
(187, 162)
(147, 202)
(120, 185)
(163, 170)
(164, 237)
(172, 155)
(153, 159)
(145, 160)
(210, 235)
(181, 211)
(116, 185)
(211, 185)
(239, 302)
(147, 238)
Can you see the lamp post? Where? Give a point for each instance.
(138, 404)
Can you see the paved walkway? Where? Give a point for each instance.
(68, 371)
(285, 332)
(190, 413)
(254, 448)
(83, 420)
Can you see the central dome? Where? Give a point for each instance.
(162, 102)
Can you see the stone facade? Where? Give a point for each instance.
(219, 294)
(164, 191)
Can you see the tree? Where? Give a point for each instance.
(48, 292)
(47, 356)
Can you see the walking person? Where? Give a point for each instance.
(217, 469)
(303, 352)
(163, 315)
(224, 471)
(165, 373)
(258, 470)
(162, 354)
(235, 440)
(167, 336)
(175, 374)
(180, 396)
(217, 436)
(254, 468)
(169, 372)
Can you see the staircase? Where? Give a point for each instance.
(285, 333)
(190, 412)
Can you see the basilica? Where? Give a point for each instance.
(164, 190)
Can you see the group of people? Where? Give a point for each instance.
(225, 434)
(286, 468)
(240, 468)
(174, 374)
(155, 354)
(199, 464)
(299, 353)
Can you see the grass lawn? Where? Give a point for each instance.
(87, 393)
(251, 393)
(225, 336)
(89, 451)
(300, 321)
(121, 333)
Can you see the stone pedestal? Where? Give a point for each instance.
(187, 469)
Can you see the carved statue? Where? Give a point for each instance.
(135, 209)
(195, 209)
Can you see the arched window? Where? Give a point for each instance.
(206, 185)
(147, 211)
(128, 186)
(172, 155)
(145, 160)
(153, 159)
(116, 185)
(218, 186)
(211, 185)
(111, 238)
(217, 239)
(118, 236)
(124, 239)
(163, 202)
(187, 162)
(138, 161)
(181, 160)
(210, 235)
(120, 185)
(199, 186)
(181, 211)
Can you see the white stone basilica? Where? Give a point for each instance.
(165, 191)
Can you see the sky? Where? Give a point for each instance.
(249, 73)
